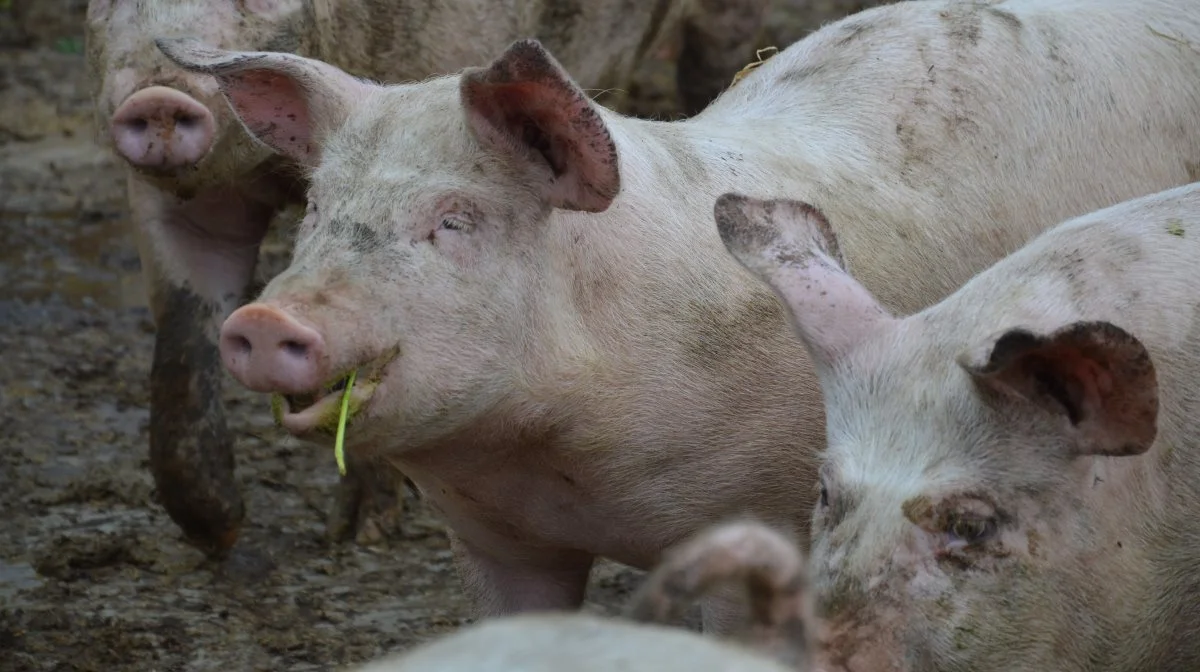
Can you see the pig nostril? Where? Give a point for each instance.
(139, 125)
(186, 120)
(242, 344)
(296, 348)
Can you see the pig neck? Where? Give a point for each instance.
(653, 260)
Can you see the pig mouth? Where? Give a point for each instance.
(318, 411)
(298, 403)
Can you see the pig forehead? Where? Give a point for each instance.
(395, 193)
(213, 21)
(410, 157)
(871, 465)
(406, 123)
(904, 420)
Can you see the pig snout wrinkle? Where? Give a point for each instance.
(268, 350)
(160, 127)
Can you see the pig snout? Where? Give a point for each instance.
(268, 350)
(161, 127)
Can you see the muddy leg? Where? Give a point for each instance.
(369, 506)
(198, 257)
(718, 40)
(537, 582)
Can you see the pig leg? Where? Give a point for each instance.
(718, 40)
(555, 582)
(369, 505)
(198, 258)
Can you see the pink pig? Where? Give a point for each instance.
(1013, 474)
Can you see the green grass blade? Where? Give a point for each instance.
(339, 451)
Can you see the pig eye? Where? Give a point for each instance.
(970, 530)
(823, 483)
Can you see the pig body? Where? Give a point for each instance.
(556, 346)
(554, 642)
(202, 192)
(766, 563)
(1013, 474)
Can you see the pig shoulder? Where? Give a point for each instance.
(1133, 263)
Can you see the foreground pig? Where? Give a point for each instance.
(202, 192)
(550, 338)
(1012, 478)
(764, 564)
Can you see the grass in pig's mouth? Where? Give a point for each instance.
(319, 411)
(299, 402)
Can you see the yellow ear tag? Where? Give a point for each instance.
(339, 451)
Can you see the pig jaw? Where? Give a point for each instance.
(916, 611)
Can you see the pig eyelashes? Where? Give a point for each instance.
(456, 222)
(969, 530)
(824, 489)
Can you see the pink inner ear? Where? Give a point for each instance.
(1090, 380)
(273, 107)
(554, 120)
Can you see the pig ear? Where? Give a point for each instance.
(1094, 373)
(524, 102)
(791, 247)
(288, 102)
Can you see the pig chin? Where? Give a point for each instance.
(315, 414)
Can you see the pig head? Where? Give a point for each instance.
(958, 526)
(426, 287)
(169, 125)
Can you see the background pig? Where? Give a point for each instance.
(552, 340)
(202, 192)
(1012, 476)
(764, 564)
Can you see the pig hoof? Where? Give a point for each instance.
(368, 508)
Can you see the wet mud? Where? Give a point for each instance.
(93, 574)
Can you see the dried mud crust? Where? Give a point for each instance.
(93, 575)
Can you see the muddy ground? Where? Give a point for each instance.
(93, 574)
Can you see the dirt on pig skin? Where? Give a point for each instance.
(93, 574)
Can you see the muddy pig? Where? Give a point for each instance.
(1013, 474)
(202, 192)
(551, 339)
(757, 560)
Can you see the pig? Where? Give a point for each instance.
(551, 339)
(202, 192)
(767, 564)
(1012, 475)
